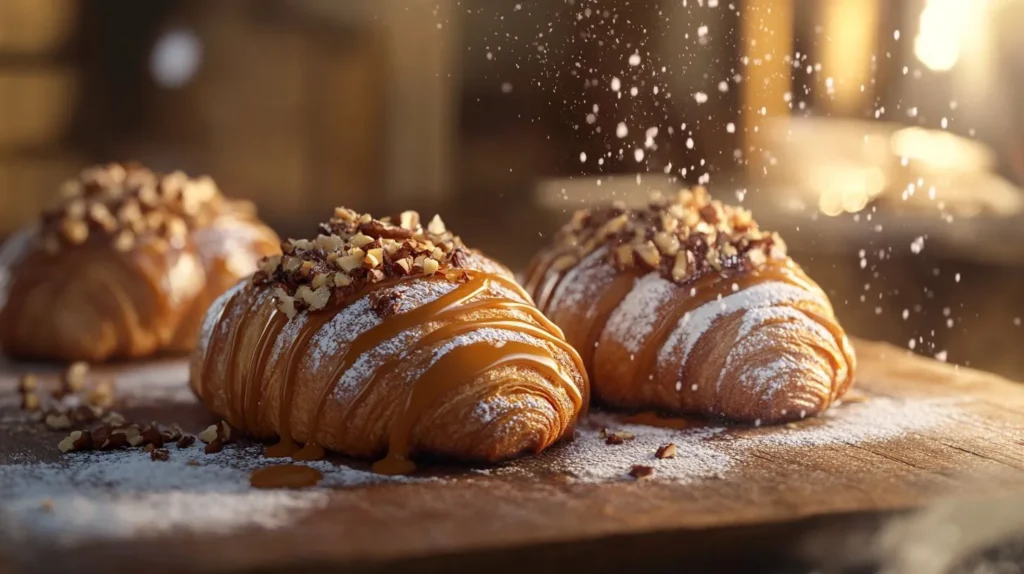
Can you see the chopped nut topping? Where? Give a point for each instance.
(683, 237)
(116, 203)
(186, 441)
(666, 451)
(353, 250)
(641, 472)
(160, 454)
(215, 446)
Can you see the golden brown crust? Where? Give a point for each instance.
(94, 295)
(751, 340)
(457, 363)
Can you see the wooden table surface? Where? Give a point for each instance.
(915, 431)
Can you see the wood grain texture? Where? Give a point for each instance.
(506, 522)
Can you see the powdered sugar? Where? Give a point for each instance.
(344, 327)
(874, 421)
(633, 320)
(213, 315)
(760, 328)
(695, 323)
(125, 493)
(583, 283)
(118, 494)
(716, 452)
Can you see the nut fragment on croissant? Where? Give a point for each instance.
(425, 348)
(125, 266)
(687, 306)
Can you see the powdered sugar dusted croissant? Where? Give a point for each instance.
(125, 266)
(687, 306)
(381, 337)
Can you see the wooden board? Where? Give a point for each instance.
(918, 430)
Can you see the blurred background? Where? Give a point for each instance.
(884, 139)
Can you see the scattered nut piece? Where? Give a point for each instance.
(77, 440)
(666, 451)
(214, 446)
(85, 414)
(30, 402)
(73, 378)
(102, 395)
(641, 472)
(161, 454)
(57, 421)
(151, 435)
(28, 383)
(618, 437)
(209, 435)
(114, 419)
(186, 441)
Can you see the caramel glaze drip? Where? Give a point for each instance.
(285, 476)
(470, 361)
(703, 289)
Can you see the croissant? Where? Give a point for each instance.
(125, 266)
(687, 306)
(386, 338)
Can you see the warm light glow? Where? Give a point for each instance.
(845, 187)
(940, 32)
(940, 151)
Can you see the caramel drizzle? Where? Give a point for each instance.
(257, 364)
(431, 385)
(470, 361)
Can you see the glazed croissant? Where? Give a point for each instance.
(686, 306)
(125, 266)
(380, 337)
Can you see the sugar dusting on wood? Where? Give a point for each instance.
(103, 495)
(117, 494)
